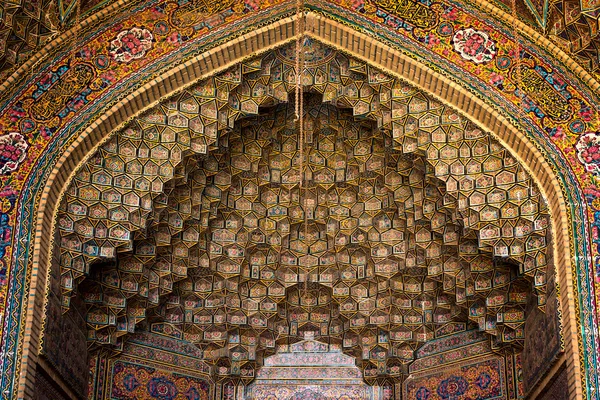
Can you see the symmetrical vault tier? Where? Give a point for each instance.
(410, 221)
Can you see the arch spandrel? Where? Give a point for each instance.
(214, 60)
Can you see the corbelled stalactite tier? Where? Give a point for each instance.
(396, 220)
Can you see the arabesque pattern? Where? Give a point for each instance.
(409, 219)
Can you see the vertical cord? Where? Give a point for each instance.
(298, 52)
(299, 94)
(298, 121)
(300, 66)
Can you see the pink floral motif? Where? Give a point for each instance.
(131, 44)
(588, 151)
(13, 151)
(8, 192)
(474, 45)
(357, 4)
(451, 14)
(252, 4)
(496, 79)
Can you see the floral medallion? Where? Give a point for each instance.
(131, 44)
(452, 387)
(475, 46)
(163, 389)
(588, 151)
(13, 151)
(423, 393)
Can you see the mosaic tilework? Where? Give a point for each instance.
(309, 370)
(463, 366)
(151, 367)
(138, 381)
(479, 379)
(12, 186)
(314, 392)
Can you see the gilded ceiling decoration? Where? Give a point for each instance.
(395, 221)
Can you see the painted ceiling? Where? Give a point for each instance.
(390, 220)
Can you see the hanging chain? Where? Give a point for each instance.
(299, 110)
(299, 95)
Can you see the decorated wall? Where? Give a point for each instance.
(151, 366)
(309, 370)
(45, 111)
(383, 225)
(463, 366)
(543, 342)
(65, 335)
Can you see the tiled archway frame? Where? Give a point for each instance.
(78, 139)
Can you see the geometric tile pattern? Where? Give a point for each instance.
(481, 378)
(137, 373)
(27, 25)
(463, 366)
(409, 219)
(570, 24)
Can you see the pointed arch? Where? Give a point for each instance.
(526, 143)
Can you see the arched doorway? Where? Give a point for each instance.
(311, 370)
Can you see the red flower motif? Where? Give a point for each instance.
(13, 151)
(475, 46)
(496, 79)
(252, 4)
(173, 38)
(451, 14)
(131, 44)
(588, 151)
(8, 192)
